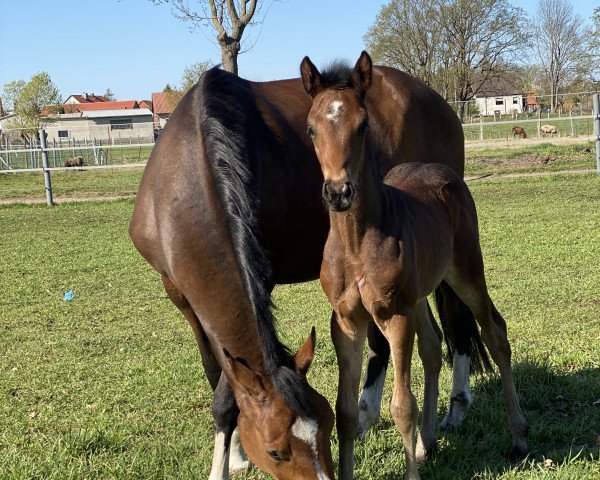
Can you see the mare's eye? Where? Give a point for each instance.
(278, 455)
(310, 130)
(363, 126)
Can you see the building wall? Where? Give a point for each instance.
(137, 129)
(509, 104)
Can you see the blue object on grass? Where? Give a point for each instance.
(70, 295)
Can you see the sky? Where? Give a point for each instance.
(135, 48)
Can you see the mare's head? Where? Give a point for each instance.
(279, 435)
(337, 124)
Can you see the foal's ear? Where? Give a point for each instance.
(245, 377)
(360, 78)
(306, 353)
(311, 78)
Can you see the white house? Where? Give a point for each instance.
(114, 126)
(498, 96)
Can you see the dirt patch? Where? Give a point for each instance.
(522, 161)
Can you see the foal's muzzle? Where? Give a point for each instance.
(338, 195)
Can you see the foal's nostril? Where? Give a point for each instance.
(346, 190)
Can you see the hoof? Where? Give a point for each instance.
(366, 419)
(518, 453)
(423, 452)
(459, 405)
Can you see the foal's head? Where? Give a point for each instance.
(337, 124)
(285, 443)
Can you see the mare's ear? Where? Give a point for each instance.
(306, 353)
(311, 78)
(245, 377)
(360, 78)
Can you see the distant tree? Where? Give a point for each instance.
(453, 45)
(595, 46)
(407, 35)
(229, 19)
(35, 101)
(109, 95)
(560, 44)
(481, 37)
(11, 92)
(190, 76)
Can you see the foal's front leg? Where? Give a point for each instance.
(348, 339)
(400, 332)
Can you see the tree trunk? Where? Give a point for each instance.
(229, 56)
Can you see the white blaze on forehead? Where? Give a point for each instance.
(305, 429)
(335, 111)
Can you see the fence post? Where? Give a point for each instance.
(597, 129)
(47, 179)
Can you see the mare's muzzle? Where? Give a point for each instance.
(338, 195)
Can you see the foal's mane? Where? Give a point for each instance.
(230, 130)
(336, 74)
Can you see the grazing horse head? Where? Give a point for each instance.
(285, 443)
(342, 120)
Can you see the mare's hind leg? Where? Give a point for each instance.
(429, 342)
(493, 332)
(228, 453)
(369, 405)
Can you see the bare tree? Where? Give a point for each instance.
(481, 37)
(560, 44)
(406, 35)
(453, 45)
(229, 18)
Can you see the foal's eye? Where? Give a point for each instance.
(310, 130)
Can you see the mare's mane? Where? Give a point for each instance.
(229, 124)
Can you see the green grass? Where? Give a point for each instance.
(109, 384)
(71, 183)
(544, 157)
(579, 127)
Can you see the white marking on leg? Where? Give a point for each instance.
(461, 397)
(220, 464)
(369, 405)
(335, 111)
(306, 429)
(238, 460)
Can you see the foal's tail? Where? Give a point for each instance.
(460, 329)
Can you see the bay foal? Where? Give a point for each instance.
(390, 244)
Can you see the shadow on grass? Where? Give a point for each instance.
(564, 425)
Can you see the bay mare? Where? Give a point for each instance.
(391, 242)
(229, 206)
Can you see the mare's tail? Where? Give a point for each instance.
(460, 329)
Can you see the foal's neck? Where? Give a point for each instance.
(368, 205)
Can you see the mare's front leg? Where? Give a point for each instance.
(369, 406)
(400, 331)
(227, 453)
(348, 339)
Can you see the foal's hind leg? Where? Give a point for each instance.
(493, 333)
(228, 453)
(429, 345)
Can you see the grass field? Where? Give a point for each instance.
(108, 385)
(546, 157)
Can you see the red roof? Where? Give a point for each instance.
(161, 103)
(87, 98)
(75, 107)
(145, 104)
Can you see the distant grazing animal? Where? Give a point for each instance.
(548, 129)
(391, 243)
(74, 162)
(519, 131)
